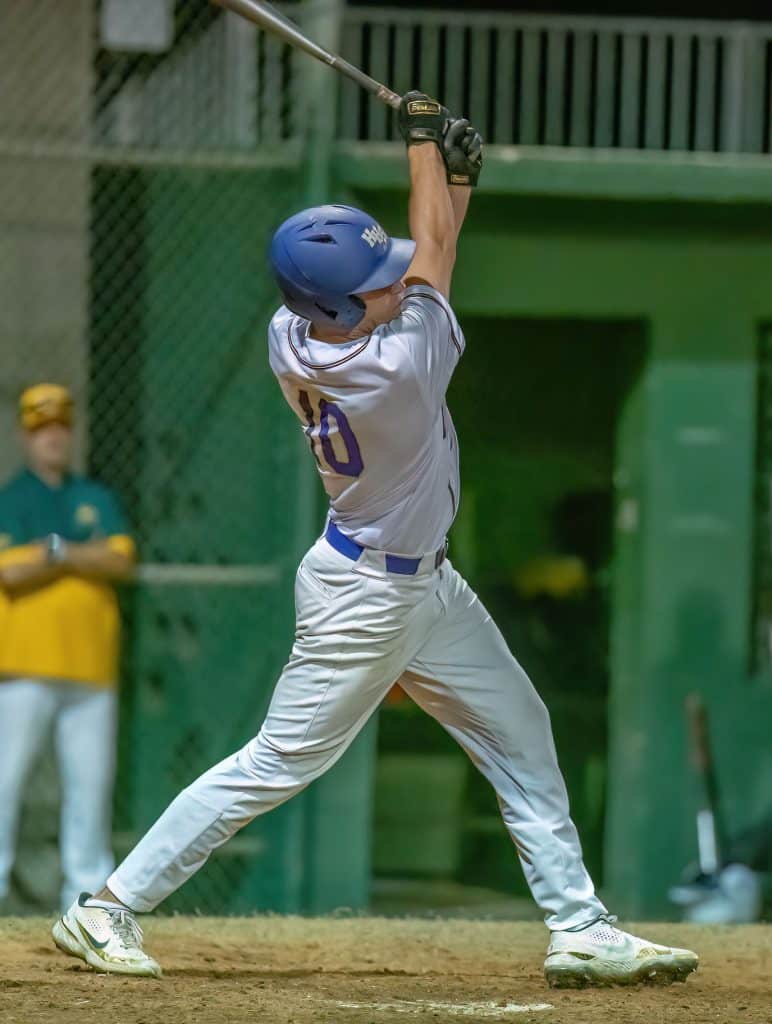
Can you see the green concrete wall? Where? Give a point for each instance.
(699, 278)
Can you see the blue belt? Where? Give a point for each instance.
(394, 563)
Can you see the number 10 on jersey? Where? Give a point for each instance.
(320, 431)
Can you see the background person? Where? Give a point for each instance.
(63, 543)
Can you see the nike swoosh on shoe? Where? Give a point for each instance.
(90, 938)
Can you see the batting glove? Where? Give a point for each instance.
(421, 119)
(462, 147)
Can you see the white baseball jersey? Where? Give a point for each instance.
(374, 413)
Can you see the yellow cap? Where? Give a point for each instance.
(45, 403)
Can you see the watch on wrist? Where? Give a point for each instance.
(56, 549)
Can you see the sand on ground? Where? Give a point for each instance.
(360, 970)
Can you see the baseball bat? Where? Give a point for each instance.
(268, 18)
(708, 846)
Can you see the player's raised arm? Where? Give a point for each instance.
(445, 158)
(462, 147)
(422, 121)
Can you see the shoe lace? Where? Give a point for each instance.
(602, 929)
(126, 928)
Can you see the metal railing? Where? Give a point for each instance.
(226, 90)
(536, 80)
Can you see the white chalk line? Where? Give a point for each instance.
(462, 1009)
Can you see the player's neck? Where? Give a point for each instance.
(318, 332)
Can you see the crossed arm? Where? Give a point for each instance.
(27, 568)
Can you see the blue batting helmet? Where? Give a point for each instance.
(324, 257)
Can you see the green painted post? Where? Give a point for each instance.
(694, 590)
(316, 96)
(322, 20)
(337, 820)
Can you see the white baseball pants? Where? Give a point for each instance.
(359, 630)
(83, 719)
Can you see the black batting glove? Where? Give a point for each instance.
(421, 119)
(462, 151)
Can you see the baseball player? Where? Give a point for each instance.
(364, 348)
(63, 542)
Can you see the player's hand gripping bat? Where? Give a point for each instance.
(267, 17)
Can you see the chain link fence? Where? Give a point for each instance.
(147, 150)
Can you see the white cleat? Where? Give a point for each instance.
(108, 938)
(603, 955)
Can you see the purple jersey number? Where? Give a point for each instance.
(354, 465)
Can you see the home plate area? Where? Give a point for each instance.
(477, 1010)
(360, 970)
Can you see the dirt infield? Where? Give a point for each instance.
(369, 971)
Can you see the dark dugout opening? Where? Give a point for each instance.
(537, 408)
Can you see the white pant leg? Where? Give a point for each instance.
(27, 708)
(470, 682)
(357, 629)
(86, 750)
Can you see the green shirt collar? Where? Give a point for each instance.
(32, 477)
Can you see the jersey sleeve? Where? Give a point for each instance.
(11, 533)
(428, 326)
(113, 520)
(116, 526)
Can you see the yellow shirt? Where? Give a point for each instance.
(68, 629)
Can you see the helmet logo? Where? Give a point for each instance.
(375, 235)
